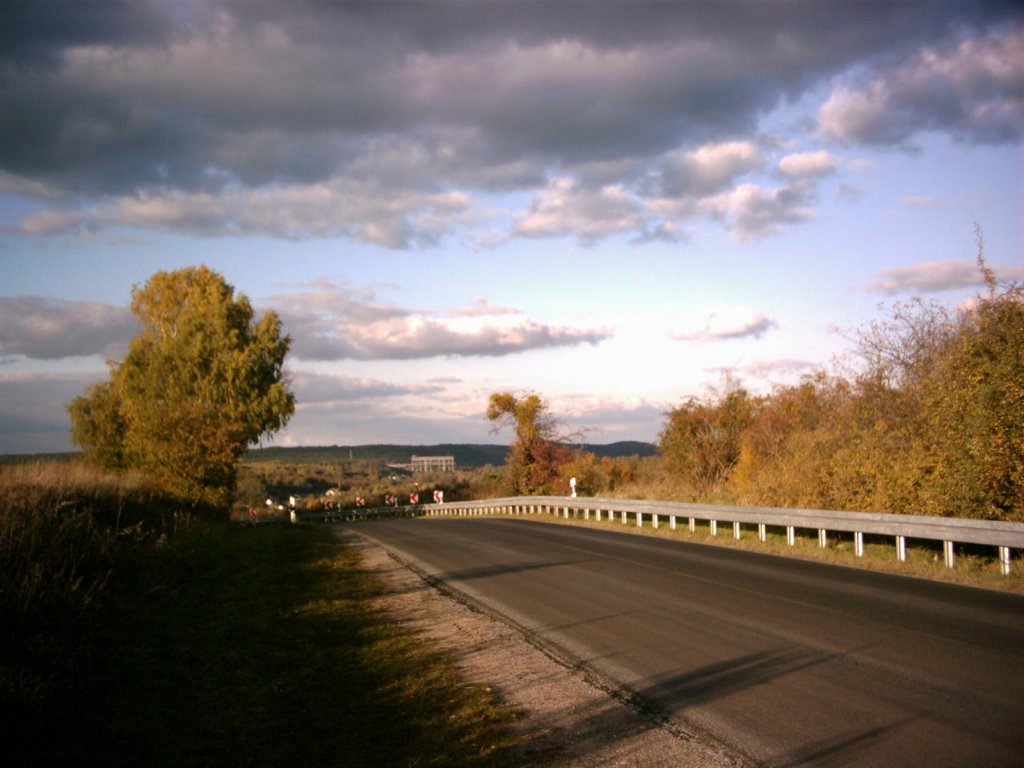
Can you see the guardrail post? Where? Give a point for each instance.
(654, 519)
(736, 530)
(639, 519)
(948, 553)
(858, 543)
(762, 532)
(693, 525)
(599, 515)
(790, 535)
(586, 514)
(822, 538)
(566, 513)
(623, 513)
(672, 522)
(901, 548)
(1004, 561)
(714, 527)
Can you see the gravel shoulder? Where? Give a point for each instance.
(569, 718)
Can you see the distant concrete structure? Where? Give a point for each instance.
(432, 464)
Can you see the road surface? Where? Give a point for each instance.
(788, 662)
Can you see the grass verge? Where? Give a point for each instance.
(258, 647)
(975, 566)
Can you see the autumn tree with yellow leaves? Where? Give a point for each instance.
(202, 380)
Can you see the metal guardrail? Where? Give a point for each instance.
(1004, 536)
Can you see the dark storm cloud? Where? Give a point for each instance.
(393, 107)
(36, 32)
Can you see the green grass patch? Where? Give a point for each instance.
(975, 566)
(258, 647)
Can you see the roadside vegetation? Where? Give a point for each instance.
(926, 417)
(136, 632)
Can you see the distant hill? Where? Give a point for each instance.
(466, 454)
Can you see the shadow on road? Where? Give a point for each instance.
(837, 751)
(501, 570)
(670, 693)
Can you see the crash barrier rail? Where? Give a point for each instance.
(951, 531)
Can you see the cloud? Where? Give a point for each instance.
(329, 322)
(50, 329)
(970, 89)
(387, 125)
(340, 208)
(11, 184)
(729, 324)
(703, 171)
(681, 186)
(755, 211)
(482, 308)
(417, 337)
(605, 420)
(804, 164)
(937, 276)
(325, 391)
(33, 418)
(564, 208)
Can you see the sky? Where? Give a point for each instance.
(613, 204)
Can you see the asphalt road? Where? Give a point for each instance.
(789, 662)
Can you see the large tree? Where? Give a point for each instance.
(202, 380)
